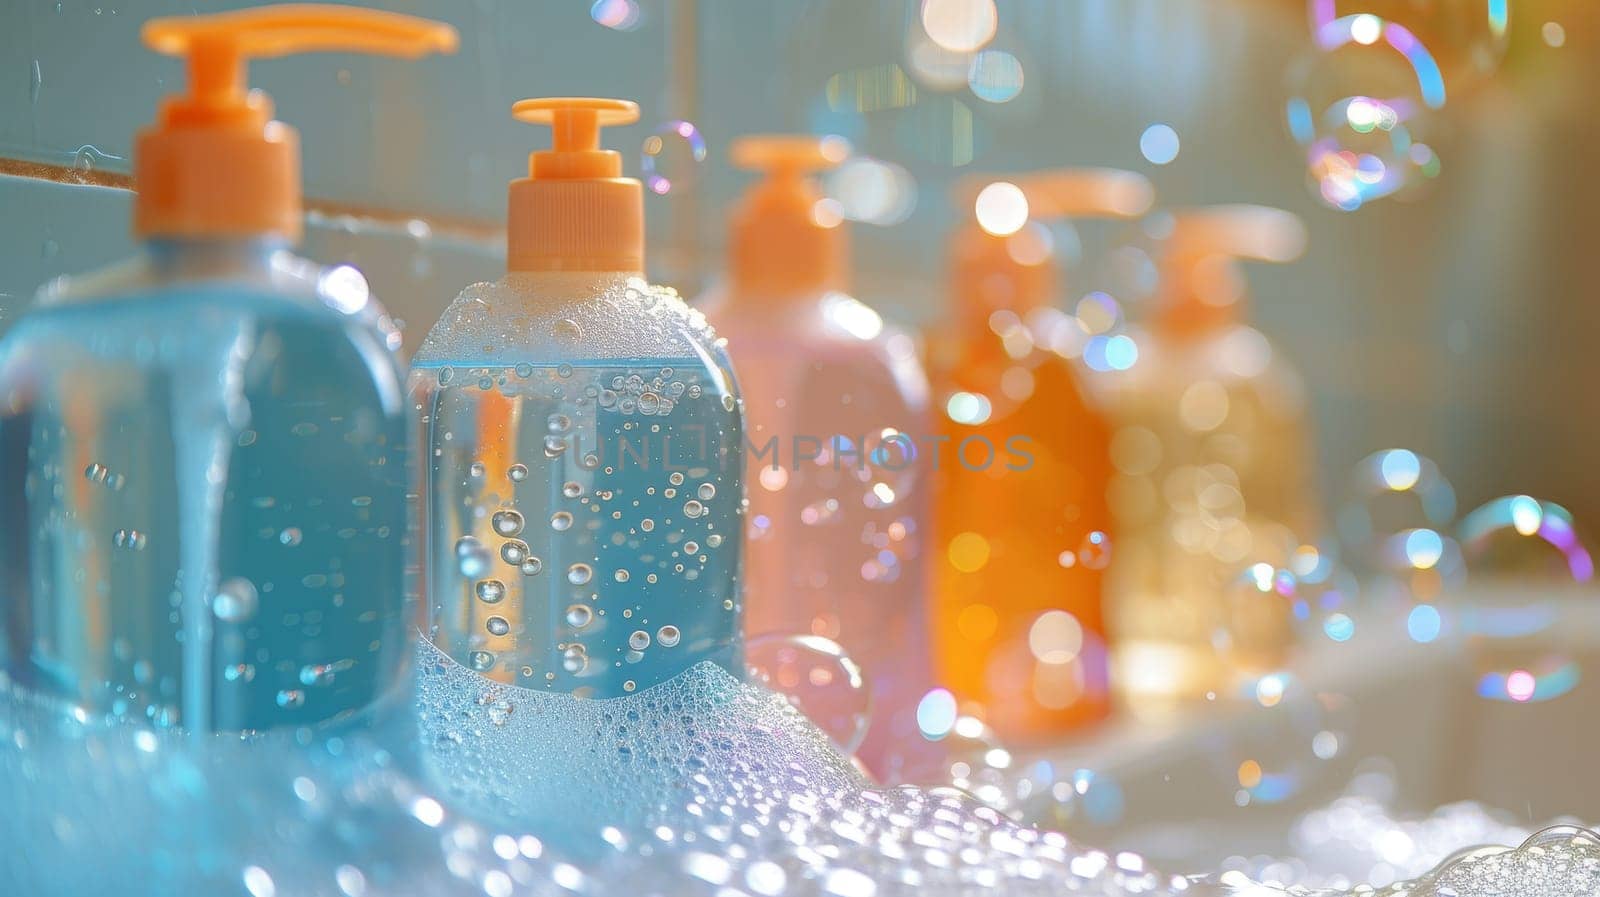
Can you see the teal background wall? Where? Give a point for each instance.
(1459, 323)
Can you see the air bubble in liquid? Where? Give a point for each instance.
(507, 522)
(236, 600)
(490, 591)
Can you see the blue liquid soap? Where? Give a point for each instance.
(203, 451)
(583, 491)
(203, 474)
(583, 478)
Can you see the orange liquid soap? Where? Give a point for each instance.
(1022, 533)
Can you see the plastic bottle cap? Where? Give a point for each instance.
(215, 163)
(575, 211)
(784, 236)
(1200, 274)
(1002, 258)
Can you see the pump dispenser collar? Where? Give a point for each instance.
(784, 236)
(215, 164)
(1202, 285)
(575, 211)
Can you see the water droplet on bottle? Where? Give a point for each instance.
(639, 640)
(507, 522)
(647, 524)
(490, 591)
(518, 472)
(477, 470)
(693, 509)
(629, 685)
(675, 478)
(579, 615)
(290, 698)
(691, 547)
(579, 574)
(531, 566)
(571, 489)
(668, 636)
(497, 625)
(561, 521)
(236, 600)
(553, 446)
(714, 540)
(707, 491)
(558, 423)
(481, 660)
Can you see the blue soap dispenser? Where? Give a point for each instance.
(203, 450)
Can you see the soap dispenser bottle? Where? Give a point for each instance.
(583, 479)
(203, 451)
(1214, 467)
(1022, 531)
(835, 403)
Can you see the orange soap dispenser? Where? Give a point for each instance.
(1022, 528)
(1214, 467)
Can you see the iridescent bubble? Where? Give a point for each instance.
(819, 679)
(1356, 105)
(1525, 563)
(1269, 758)
(1466, 38)
(1391, 492)
(618, 15)
(678, 132)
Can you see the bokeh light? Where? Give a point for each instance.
(995, 76)
(1001, 208)
(1159, 144)
(960, 25)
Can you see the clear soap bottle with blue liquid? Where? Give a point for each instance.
(583, 473)
(203, 450)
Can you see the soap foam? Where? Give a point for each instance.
(723, 789)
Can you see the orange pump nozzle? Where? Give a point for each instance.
(215, 163)
(1002, 259)
(1200, 270)
(575, 211)
(784, 238)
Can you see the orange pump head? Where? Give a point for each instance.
(1001, 258)
(1200, 271)
(575, 211)
(215, 163)
(783, 237)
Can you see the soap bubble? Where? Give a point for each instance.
(816, 676)
(974, 760)
(1272, 752)
(1391, 492)
(1356, 105)
(1525, 562)
(1467, 38)
(656, 149)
